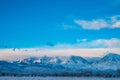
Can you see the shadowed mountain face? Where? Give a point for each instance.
(78, 59)
(111, 58)
(45, 65)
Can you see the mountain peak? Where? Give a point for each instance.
(111, 57)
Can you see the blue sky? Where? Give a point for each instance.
(68, 23)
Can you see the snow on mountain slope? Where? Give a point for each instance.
(111, 57)
(55, 60)
(57, 64)
(109, 61)
(77, 60)
(74, 63)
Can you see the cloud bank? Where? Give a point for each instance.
(84, 43)
(9, 54)
(97, 24)
(82, 47)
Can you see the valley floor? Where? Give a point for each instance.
(56, 78)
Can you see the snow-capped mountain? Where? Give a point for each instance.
(60, 64)
(77, 60)
(109, 61)
(54, 60)
(111, 57)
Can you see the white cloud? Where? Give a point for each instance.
(82, 48)
(99, 43)
(117, 24)
(67, 26)
(81, 40)
(96, 24)
(9, 54)
(111, 43)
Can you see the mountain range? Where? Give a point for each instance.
(108, 65)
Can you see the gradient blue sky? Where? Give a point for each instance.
(36, 23)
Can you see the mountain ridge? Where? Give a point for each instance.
(45, 65)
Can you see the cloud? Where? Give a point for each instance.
(81, 40)
(66, 26)
(84, 43)
(9, 54)
(111, 43)
(96, 24)
(83, 48)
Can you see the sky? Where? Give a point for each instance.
(60, 24)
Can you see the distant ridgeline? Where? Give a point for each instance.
(107, 66)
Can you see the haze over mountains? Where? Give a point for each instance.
(107, 65)
(15, 53)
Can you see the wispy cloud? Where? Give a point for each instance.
(96, 24)
(99, 43)
(67, 26)
(81, 40)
